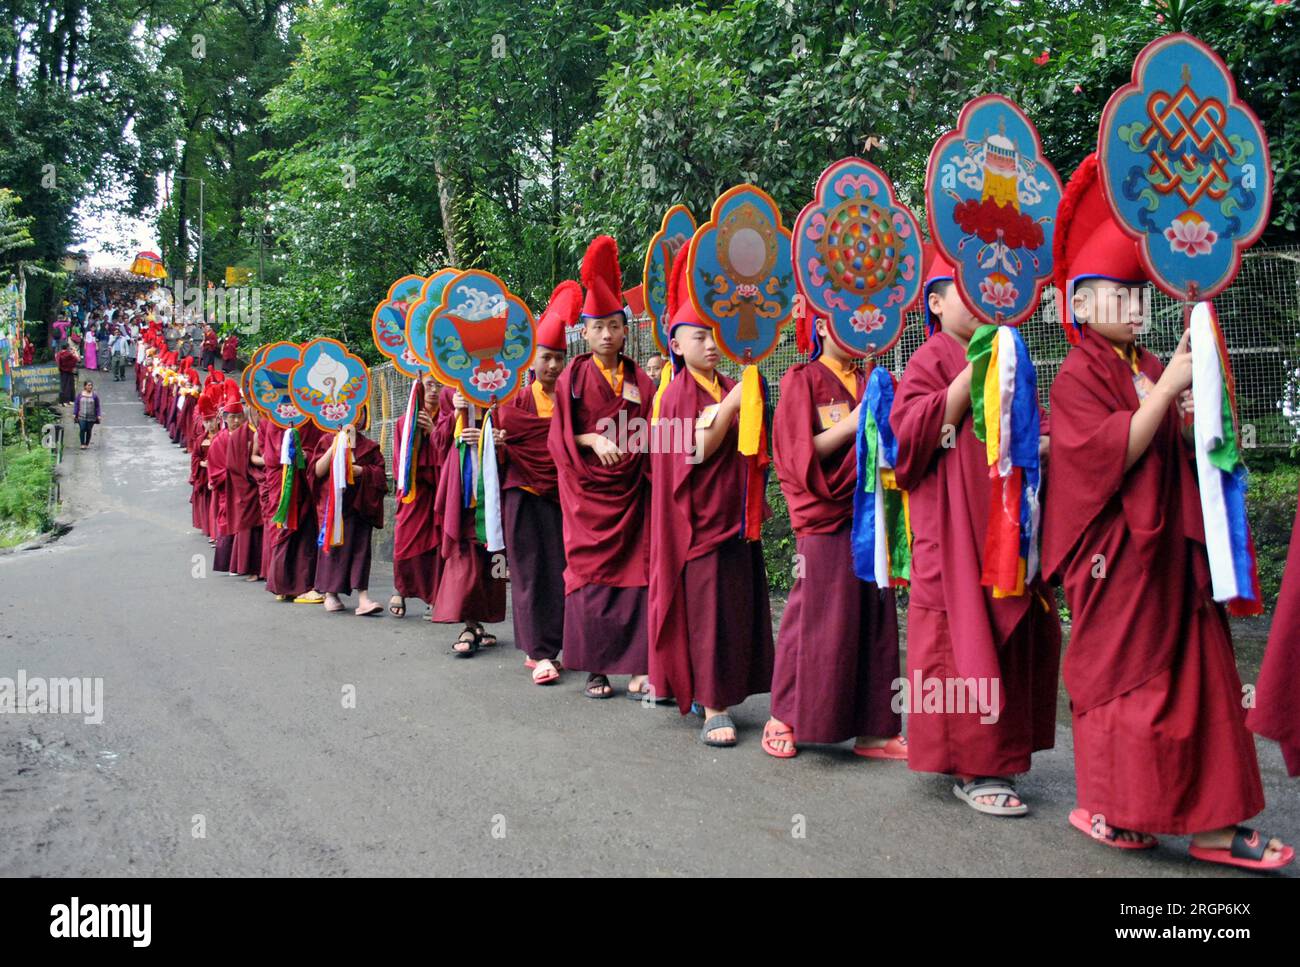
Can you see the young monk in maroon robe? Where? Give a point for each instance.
(149, 396)
(710, 618)
(291, 549)
(417, 560)
(176, 411)
(1160, 743)
(342, 569)
(837, 650)
(233, 475)
(224, 537)
(185, 418)
(956, 629)
(599, 441)
(201, 496)
(167, 406)
(472, 586)
(1276, 714)
(266, 500)
(531, 518)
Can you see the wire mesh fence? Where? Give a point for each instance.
(1260, 315)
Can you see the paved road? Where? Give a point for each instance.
(224, 714)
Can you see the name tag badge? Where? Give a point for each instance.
(832, 413)
(631, 392)
(1143, 385)
(707, 416)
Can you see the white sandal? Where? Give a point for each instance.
(1002, 791)
(545, 672)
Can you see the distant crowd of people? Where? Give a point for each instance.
(100, 329)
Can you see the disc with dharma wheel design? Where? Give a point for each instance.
(860, 248)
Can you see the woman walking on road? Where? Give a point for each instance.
(86, 412)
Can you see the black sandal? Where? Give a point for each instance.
(398, 609)
(594, 685)
(472, 641)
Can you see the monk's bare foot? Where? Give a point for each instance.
(485, 638)
(638, 684)
(1222, 839)
(397, 606)
(719, 735)
(332, 603)
(1133, 836)
(367, 606)
(778, 738)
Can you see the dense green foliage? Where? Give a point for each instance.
(25, 478)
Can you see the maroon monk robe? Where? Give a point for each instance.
(710, 617)
(1276, 714)
(1015, 641)
(200, 496)
(606, 511)
(534, 529)
(291, 567)
(268, 490)
(184, 419)
(341, 569)
(224, 537)
(174, 415)
(166, 406)
(417, 562)
(837, 650)
(472, 586)
(1160, 745)
(243, 506)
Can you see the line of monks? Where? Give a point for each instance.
(630, 560)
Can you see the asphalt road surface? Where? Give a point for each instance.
(227, 747)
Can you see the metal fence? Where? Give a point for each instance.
(1260, 315)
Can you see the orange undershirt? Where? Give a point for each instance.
(845, 374)
(545, 409)
(1130, 355)
(613, 377)
(545, 405)
(712, 387)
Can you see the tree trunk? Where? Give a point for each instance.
(180, 266)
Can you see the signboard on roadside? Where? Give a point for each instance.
(36, 381)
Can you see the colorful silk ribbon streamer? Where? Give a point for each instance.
(331, 528)
(755, 448)
(882, 526)
(291, 461)
(665, 377)
(407, 442)
(1005, 418)
(481, 485)
(1222, 474)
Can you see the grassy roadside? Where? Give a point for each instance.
(25, 477)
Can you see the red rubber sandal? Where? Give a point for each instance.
(772, 733)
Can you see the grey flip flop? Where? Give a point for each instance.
(720, 721)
